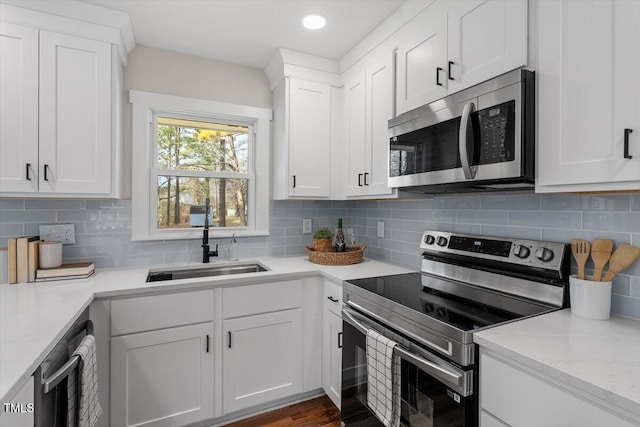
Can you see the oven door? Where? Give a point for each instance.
(434, 393)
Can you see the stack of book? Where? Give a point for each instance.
(23, 264)
(23, 259)
(80, 270)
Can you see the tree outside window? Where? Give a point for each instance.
(202, 160)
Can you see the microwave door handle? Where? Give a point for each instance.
(465, 158)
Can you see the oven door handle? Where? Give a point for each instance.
(427, 366)
(465, 156)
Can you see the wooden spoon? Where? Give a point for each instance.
(622, 258)
(581, 249)
(600, 254)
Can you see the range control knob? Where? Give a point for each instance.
(521, 251)
(441, 312)
(429, 239)
(442, 241)
(544, 254)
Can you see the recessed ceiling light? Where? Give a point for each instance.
(313, 21)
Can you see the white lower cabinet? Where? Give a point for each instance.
(19, 411)
(332, 342)
(511, 396)
(262, 358)
(162, 377)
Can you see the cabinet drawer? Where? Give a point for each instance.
(263, 298)
(516, 398)
(160, 311)
(332, 292)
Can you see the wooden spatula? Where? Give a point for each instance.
(622, 258)
(580, 249)
(600, 254)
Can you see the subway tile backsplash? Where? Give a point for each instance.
(103, 228)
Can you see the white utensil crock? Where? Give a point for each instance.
(591, 300)
(49, 254)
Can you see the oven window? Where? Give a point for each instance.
(425, 402)
(426, 150)
(428, 403)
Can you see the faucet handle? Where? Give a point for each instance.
(215, 252)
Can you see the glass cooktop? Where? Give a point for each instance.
(420, 292)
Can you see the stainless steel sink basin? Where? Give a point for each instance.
(222, 270)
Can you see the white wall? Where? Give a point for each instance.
(161, 71)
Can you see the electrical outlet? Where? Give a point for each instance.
(306, 225)
(65, 233)
(380, 228)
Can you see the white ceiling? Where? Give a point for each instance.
(248, 32)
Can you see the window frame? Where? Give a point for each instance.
(146, 108)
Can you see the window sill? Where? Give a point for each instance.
(197, 234)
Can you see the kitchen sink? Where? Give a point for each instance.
(223, 270)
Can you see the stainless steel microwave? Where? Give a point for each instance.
(481, 138)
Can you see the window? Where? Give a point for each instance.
(186, 151)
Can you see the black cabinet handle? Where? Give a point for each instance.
(438, 76)
(46, 167)
(626, 144)
(27, 168)
(207, 344)
(366, 175)
(332, 299)
(339, 339)
(449, 70)
(294, 181)
(359, 180)
(229, 341)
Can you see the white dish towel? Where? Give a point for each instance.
(90, 409)
(383, 379)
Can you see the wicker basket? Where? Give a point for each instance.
(353, 255)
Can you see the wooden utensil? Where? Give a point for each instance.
(580, 249)
(600, 254)
(622, 258)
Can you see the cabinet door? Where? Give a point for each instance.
(588, 92)
(163, 377)
(262, 359)
(18, 108)
(422, 59)
(309, 138)
(75, 115)
(379, 111)
(332, 356)
(354, 135)
(486, 38)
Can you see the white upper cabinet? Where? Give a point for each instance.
(379, 110)
(367, 106)
(306, 110)
(18, 108)
(452, 45)
(422, 59)
(309, 138)
(588, 95)
(354, 139)
(486, 38)
(75, 114)
(60, 124)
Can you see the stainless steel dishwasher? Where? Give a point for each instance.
(50, 391)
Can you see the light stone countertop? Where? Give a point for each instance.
(33, 317)
(598, 357)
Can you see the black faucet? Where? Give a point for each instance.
(206, 253)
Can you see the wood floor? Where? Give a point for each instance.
(320, 412)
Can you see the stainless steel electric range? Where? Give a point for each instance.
(466, 284)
